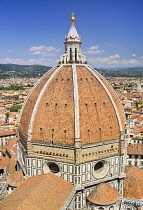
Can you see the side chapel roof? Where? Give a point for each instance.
(41, 192)
(103, 194)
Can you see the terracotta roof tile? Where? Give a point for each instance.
(135, 116)
(59, 111)
(137, 131)
(55, 118)
(133, 183)
(104, 125)
(41, 192)
(32, 98)
(135, 149)
(103, 194)
(11, 165)
(3, 162)
(15, 179)
(7, 132)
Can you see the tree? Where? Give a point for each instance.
(7, 114)
(15, 108)
(137, 105)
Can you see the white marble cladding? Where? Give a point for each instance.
(21, 158)
(115, 206)
(80, 200)
(83, 179)
(81, 175)
(131, 204)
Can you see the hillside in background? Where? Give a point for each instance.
(125, 72)
(27, 71)
(14, 70)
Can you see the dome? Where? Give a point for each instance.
(103, 194)
(138, 85)
(72, 101)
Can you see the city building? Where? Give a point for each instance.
(71, 145)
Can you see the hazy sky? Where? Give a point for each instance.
(33, 31)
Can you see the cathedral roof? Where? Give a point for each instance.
(41, 192)
(11, 165)
(72, 101)
(103, 194)
(133, 183)
(16, 178)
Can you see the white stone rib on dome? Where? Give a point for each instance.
(76, 103)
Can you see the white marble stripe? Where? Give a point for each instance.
(114, 105)
(38, 101)
(76, 103)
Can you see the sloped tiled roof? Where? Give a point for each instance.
(3, 162)
(7, 132)
(41, 192)
(16, 178)
(135, 149)
(103, 194)
(11, 165)
(133, 183)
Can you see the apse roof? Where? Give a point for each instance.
(103, 194)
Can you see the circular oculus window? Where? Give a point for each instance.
(54, 168)
(51, 167)
(100, 169)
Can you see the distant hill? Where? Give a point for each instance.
(125, 72)
(121, 68)
(138, 71)
(14, 70)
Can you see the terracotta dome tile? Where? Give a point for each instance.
(30, 103)
(54, 117)
(103, 194)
